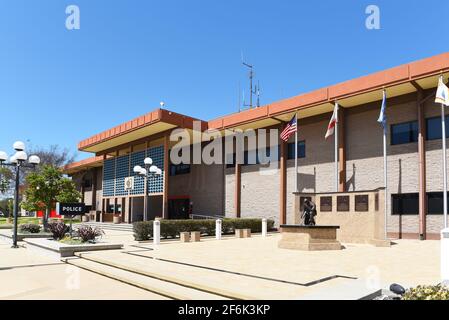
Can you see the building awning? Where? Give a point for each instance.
(397, 81)
(153, 123)
(81, 165)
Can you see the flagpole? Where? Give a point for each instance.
(336, 148)
(385, 177)
(296, 154)
(443, 138)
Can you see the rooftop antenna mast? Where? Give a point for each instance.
(251, 77)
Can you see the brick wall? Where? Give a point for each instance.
(260, 194)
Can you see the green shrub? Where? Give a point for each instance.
(30, 228)
(171, 228)
(438, 292)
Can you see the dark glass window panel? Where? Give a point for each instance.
(178, 169)
(405, 204)
(404, 132)
(433, 128)
(435, 203)
(301, 150)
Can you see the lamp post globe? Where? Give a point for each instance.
(34, 160)
(21, 156)
(137, 169)
(148, 161)
(18, 160)
(159, 172)
(3, 156)
(153, 169)
(19, 146)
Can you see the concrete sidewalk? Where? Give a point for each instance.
(28, 276)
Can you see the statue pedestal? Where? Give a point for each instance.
(309, 238)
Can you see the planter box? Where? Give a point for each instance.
(85, 219)
(60, 250)
(117, 220)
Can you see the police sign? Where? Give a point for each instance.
(70, 209)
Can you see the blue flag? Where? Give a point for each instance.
(383, 116)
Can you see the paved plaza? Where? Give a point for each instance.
(252, 268)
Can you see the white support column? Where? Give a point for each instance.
(156, 232)
(445, 256)
(443, 138)
(218, 229)
(264, 227)
(336, 148)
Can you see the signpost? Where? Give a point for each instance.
(71, 210)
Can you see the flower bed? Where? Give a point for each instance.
(438, 292)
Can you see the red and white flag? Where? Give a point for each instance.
(332, 123)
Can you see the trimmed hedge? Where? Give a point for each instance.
(143, 230)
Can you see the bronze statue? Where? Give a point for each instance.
(309, 213)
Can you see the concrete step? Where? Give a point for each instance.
(161, 287)
(224, 284)
(110, 226)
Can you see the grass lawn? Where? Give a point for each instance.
(33, 220)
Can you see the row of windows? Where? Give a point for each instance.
(254, 154)
(408, 204)
(407, 132)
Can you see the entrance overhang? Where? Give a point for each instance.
(151, 124)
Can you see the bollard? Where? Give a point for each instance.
(156, 232)
(445, 256)
(264, 227)
(218, 229)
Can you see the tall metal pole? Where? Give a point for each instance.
(145, 201)
(336, 147)
(385, 181)
(296, 154)
(251, 88)
(443, 138)
(16, 206)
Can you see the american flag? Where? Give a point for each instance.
(289, 129)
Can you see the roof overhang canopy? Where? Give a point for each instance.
(143, 127)
(85, 164)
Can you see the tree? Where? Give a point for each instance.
(46, 187)
(7, 206)
(5, 179)
(53, 156)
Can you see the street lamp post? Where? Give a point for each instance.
(18, 160)
(148, 171)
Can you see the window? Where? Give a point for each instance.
(249, 155)
(433, 128)
(177, 169)
(301, 150)
(404, 132)
(435, 203)
(405, 204)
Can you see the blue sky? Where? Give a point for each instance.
(59, 86)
